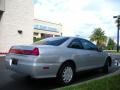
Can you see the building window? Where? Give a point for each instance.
(57, 35)
(36, 34)
(43, 35)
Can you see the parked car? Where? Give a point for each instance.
(59, 57)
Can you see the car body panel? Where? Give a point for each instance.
(48, 63)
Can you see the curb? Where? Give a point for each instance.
(97, 78)
(3, 54)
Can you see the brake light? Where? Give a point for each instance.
(34, 52)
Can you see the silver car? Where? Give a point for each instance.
(59, 57)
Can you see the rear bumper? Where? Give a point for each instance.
(35, 70)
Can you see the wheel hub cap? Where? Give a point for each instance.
(67, 74)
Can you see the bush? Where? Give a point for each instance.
(36, 39)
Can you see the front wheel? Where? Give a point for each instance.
(106, 66)
(66, 74)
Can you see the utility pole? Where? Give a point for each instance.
(118, 27)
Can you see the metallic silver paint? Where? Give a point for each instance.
(53, 57)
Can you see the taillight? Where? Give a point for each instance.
(34, 52)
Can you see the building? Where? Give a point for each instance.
(17, 26)
(43, 29)
(16, 23)
(2, 6)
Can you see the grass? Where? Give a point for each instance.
(108, 83)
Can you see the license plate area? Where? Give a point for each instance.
(14, 61)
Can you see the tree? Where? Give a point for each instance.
(99, 37)
(111, 44)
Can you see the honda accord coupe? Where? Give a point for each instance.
(59, 57)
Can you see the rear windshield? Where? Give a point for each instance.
(54, 41)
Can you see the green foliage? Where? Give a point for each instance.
(109, 83)
(111, 44)
(36, 39)
(99, 37)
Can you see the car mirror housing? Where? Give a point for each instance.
(99, 49)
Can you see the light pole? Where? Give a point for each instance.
(118, 27)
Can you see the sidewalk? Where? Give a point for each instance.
(2, 55)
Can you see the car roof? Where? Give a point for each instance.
(71, 37)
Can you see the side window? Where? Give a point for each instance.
(88, 45)
(76, 43)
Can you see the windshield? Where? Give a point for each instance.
(55, 41)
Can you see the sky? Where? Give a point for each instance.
(79, 17)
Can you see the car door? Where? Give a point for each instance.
(93, 55)
(79, 54)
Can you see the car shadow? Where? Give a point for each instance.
(27, 83)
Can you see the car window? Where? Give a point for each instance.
(54, 41)
(76, 43)
(88, 45)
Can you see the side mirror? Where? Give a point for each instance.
(99, 49)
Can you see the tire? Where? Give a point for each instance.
(106, 67)
(66, 74)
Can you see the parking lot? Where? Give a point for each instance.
(12, 81)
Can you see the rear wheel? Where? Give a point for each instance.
(66, 74)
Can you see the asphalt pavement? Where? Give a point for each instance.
(11, 81)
